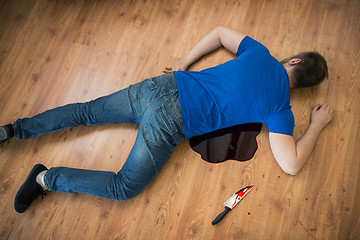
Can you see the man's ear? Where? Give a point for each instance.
(294, 61)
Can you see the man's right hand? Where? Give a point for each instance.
(178, 66)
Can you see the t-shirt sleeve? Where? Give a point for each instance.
(282, 122)
(248, 43)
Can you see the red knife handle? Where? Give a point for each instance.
(221, 216)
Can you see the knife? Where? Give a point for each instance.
(231, 202)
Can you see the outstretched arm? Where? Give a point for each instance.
(292, 156)
(220, 36)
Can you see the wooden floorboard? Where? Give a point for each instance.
(58, 52)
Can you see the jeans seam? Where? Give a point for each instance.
(46, 181)
(178, 117)
(132, 105)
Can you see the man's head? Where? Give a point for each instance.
(306, 69)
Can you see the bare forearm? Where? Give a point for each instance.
(292, 156)
(218, 37)
(320, 117)
(306, 144)
(206, 45)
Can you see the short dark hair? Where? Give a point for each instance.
(311, 71)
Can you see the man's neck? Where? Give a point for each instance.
(288, 71)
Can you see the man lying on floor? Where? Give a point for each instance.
(252, 88)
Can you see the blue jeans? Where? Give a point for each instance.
(152, 104)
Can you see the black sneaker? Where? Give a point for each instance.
(6, 132)
(30, 190)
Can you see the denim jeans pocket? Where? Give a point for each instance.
(160, 127)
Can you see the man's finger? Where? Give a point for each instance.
(167, 71)
(317, 107)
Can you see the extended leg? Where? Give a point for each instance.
(113, 108)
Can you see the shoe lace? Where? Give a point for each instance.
(39, 191)
(42, 193)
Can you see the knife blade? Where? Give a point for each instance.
(231, 202)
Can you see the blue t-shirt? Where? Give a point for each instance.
(254, 87)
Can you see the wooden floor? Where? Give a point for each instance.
(58, 52)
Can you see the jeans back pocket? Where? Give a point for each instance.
(160, 127)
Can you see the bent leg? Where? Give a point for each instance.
(114, 108)
(142, 165)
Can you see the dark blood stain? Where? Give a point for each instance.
(232, 143)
